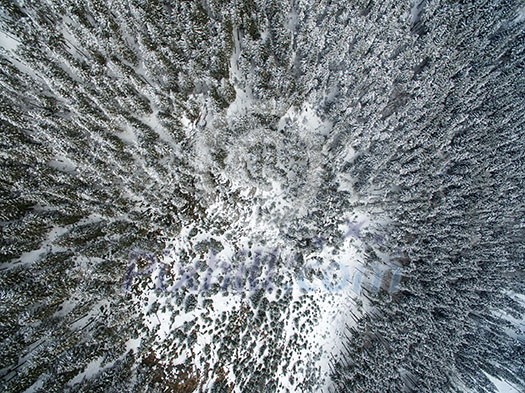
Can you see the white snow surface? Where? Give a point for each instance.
(502, 386)
(306, 333)
(8, 42)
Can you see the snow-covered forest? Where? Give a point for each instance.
(262, 196)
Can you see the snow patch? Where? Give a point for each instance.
(91, 369)
(501, 385)
(35, 387)
(8, 42)
(307, 119)
(63, 164)
(521, 15)
(128, 134)
(47, 246)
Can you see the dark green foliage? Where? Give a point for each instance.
(98, 161)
